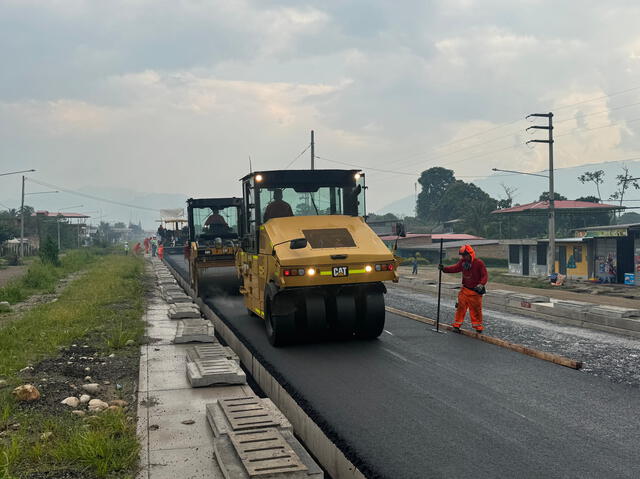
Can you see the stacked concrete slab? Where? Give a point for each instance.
(254, 439)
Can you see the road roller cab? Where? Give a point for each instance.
(309, 264)
(214, 231)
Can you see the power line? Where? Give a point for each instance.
(600, 112)
(598, 127)
(299, 155)
(93, 197)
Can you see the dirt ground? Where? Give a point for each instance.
(10, 272)
(431, 272)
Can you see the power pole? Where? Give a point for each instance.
(551, 252)
(313, 152)
(22, 222)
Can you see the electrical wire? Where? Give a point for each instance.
(299, 155)
(86, 195)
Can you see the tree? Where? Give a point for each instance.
(596, 177)
(509, 193)
(589, 199)
(435, 182)
(49, 252)
(556, 196)
(624, 181)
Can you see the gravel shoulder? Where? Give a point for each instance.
(614, 357)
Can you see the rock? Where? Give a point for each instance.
(88, 379)
(112, 355)
(3, 383)
(28, 369)
(5, 307)
(188, 422)
(97, 405)
(119, 403)
(130, 342)
(154, 427)
(71, 401)
(26, 392)
(78, 412)
(15, 426)
(91, 387)
(85, 398)
(118, 386)
(46, 435)
(86, 370)
(114, 408)
(106, 383)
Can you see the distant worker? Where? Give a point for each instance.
(147, 245)
(154, 246)
(137, 248)
(215, 218)
(278, 208)
(161, 251)
(474, 279)
(126, 247)
(414, 263)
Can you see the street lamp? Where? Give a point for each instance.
(16, 172)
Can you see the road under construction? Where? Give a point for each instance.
(415, 403)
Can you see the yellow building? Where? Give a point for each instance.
(571, 257)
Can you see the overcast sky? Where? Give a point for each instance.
(173, 96)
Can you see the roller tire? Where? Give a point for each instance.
(281, 329)
(315, 317)
(371, 315)
(342, 316)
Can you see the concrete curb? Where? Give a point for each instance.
(314, 439)
(610, 319)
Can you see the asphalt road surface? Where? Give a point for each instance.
(416, 404)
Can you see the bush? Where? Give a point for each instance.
(49, 252)
(13, 259)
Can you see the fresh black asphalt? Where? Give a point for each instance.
(416, 404)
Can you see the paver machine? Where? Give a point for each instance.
(309, 264)
(213, 235)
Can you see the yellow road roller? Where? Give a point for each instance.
(309, 264)
(213, 235)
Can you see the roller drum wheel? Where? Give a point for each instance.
(281, 329)
(315, 316)
(371, 314)
(342, 315)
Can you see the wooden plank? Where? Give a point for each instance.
(553, 358)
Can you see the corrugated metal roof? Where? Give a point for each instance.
(559, 205)
(450, 244)
(434, 236)
(55, 214)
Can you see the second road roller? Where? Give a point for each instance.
(309, 264)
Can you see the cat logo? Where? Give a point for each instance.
(340, 271)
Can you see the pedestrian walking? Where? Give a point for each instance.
(414, 263)
(474, 279)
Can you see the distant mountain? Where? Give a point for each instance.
(402, 207)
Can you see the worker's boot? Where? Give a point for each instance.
(455, 329)
(479, 331)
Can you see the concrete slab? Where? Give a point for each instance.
(184, 311)
(615, 311)
(211, 351)
(266, 453)
(178, 298)
(210, 372)
(244, 413)
(184, 463)
(194, 330)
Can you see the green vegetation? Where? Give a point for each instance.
(42, 277)
(105, 309)
(500, 275)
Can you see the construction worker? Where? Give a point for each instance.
(474, 279)
(215, 219)
(278, 208)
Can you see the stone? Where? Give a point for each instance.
(26, 392)
(88, 379)
(114, 408)
(46, 435)
(5, 307)
(3, 383)
(119, 403)
(78, 412)
(130, 342)
(91, 387)
(97, 405)
(85, 398)
(188, 422)
(28, 369)
(71, 401)
(194, 330)
(87, 369)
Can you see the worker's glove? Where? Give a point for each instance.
(480, 289)
(441, 267)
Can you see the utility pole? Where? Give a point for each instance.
(551, 252)
(313, 152)
(22, 222)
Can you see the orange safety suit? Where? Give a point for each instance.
(161, 251)
(474, 273)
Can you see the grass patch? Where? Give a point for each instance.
(43, 278)
(501, 276)
(106, 305)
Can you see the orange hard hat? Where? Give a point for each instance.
(467, 249)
